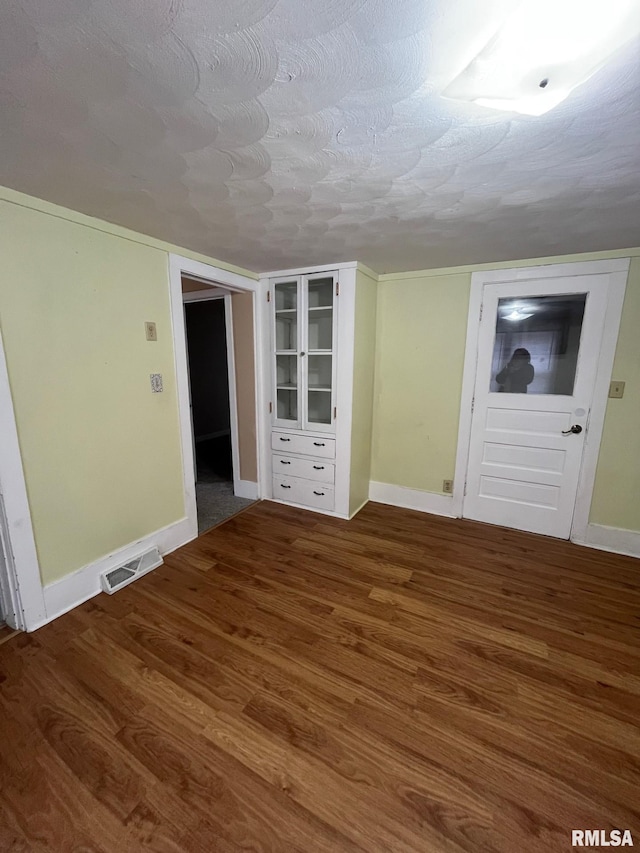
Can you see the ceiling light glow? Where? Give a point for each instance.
(543, 51)
(517, 314)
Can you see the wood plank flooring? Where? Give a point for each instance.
(290, 682)
(6, 633)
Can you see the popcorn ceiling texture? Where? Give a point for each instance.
(277, 133)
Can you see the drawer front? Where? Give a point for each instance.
(308, 469)
(304, 492)
(308, 445)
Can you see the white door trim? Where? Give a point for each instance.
(204, 295)
(263, 397)
(617, 268)
(20, 585)
(179, 266)
(233, 398)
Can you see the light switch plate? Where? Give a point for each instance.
(156, 383)
(616, 389)
(150, 331)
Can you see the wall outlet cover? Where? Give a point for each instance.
(156, 383)
(150, 331)
(616, 389)
(447, 487)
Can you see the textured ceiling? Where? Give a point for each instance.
(277, 133)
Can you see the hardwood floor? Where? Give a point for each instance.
(290, 682)
(6, 633)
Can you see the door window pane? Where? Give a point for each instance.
(536, 344)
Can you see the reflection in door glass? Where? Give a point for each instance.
(536, 345)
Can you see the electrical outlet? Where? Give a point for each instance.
(447, 487)
(616, 389)
(151, 331)
(156, 383)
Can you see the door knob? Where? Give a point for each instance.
(576, 429)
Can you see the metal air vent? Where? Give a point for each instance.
(114, 579)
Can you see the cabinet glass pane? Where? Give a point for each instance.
(287, 404)
(321, 293)
(320, 313)
(286, 330)
(286, 371)
(320, 328)
(319, 407)
(319, 372)
(536, 344)
(286, 296)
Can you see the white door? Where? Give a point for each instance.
(538, 348)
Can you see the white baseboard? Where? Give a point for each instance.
(79, 586)
(385, 493)
(614, 539)
(246, 489)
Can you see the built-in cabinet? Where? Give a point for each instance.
(320, 355)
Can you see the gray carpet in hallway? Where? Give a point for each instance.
(216, 501)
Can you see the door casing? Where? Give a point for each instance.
(20, 583)
(230, 281)
(617, 270)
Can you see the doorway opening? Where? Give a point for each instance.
(212, 348)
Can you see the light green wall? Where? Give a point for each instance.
(616, 497)
(101, 453)
(421, 333)
(362, 408)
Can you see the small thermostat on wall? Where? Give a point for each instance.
(156, 383)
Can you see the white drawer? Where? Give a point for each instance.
(308, 469)
(305, 492)
(308, 445)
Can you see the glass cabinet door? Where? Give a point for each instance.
(304, 330)
(318, 362)
(287, 348)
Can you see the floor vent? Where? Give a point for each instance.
(114, 579)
